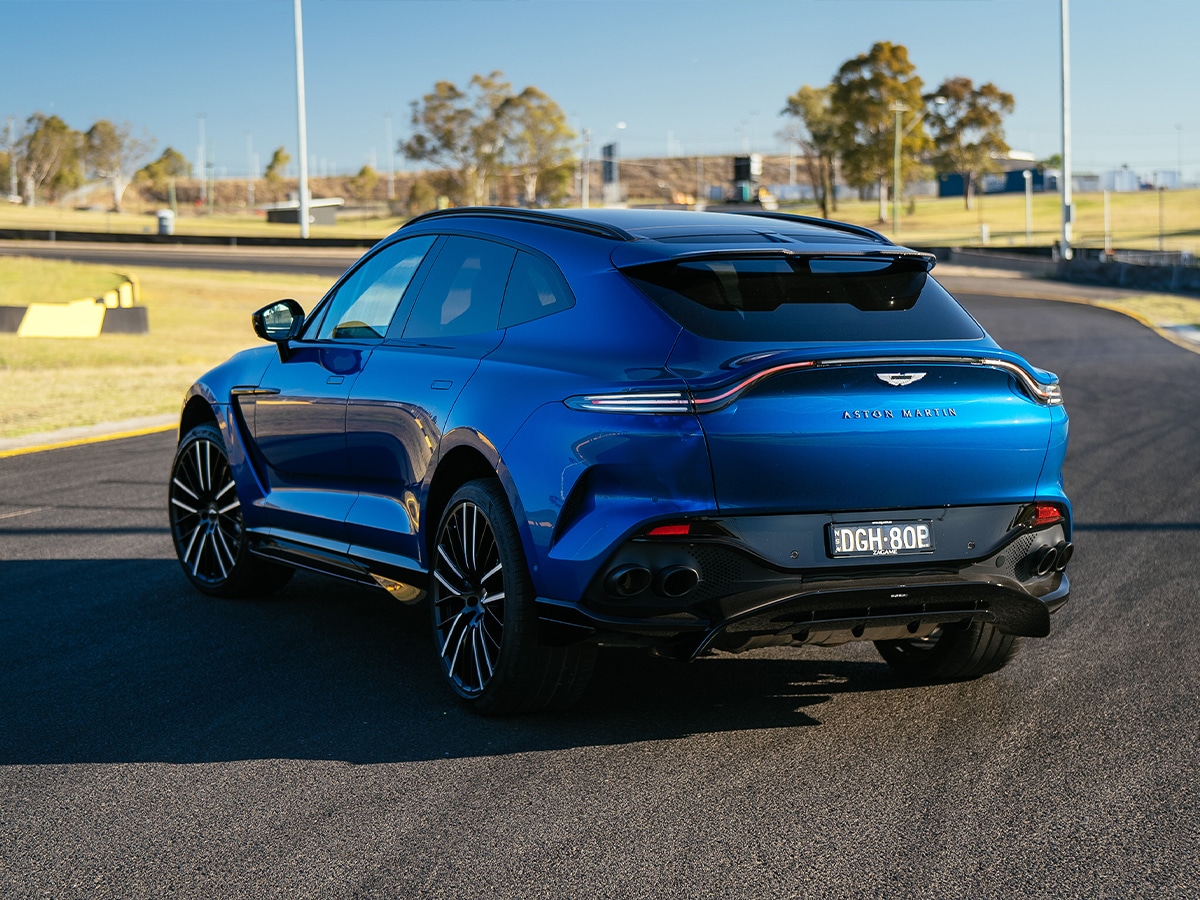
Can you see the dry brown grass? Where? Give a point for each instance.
(197, 319)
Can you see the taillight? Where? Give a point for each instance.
(660, 402)
(1039, 515)
(1046, 514)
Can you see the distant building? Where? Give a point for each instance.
(321, 210)
(1011, 180)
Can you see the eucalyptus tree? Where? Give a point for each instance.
(968, 130)
(814, 129)
(47, 157)
(540, 145)
(870, 95)
(464, 132)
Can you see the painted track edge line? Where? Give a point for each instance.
(80, 442)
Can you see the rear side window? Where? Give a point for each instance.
(535, 289)
(463, 291)
(799, 299)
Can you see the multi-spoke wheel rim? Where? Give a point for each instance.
(206, 517)
(468, 598)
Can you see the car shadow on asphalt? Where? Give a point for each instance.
(122, 661)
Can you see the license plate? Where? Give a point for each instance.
(881, 538)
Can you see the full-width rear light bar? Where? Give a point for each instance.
(676, 402)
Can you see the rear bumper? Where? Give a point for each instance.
(738, 591)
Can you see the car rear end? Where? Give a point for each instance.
(881, 469)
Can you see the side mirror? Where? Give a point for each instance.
(279, 323)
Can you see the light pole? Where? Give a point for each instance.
(300, 121)
(897, 107)
(1068, 212)
(391, 152)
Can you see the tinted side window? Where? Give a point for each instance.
(535, 289)
(367, 300)
(463, 291)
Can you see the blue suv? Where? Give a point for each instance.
(680, 431)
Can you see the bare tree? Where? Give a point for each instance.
(111, 152)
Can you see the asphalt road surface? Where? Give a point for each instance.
(155, 742)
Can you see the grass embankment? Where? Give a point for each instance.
(1134, 221)
(197, 319)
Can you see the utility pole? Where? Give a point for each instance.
(300, 121)
(12, 159)
(201, 168)
(587, 164)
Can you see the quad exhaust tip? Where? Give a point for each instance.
(675, 581)
(671, 582)
(627, 581)
(1052, 559)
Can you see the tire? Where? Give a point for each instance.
(485, 624)
(953, 653)
(206, 522)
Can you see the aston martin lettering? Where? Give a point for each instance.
(868, 414)
(899, 379)
(926, 413)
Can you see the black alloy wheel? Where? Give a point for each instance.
(484, 616)
(207, 525)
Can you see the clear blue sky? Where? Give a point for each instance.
(684, 75)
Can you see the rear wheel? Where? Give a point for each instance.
(484, 617)
(207, 525)
(951, 653)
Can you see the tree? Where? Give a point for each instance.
(866, 93)
(540, 144)
(48, 157)
(157, 175)
(363, 184)
(968, 130)
(815, 132)
(111, 151)
(464, 132)
(275, 168)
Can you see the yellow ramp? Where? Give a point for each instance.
(80, 319)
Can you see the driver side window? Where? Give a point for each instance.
(364, 305)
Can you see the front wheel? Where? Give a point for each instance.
(951, 653)
(207, 525)
(484, 617)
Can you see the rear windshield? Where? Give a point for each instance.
(792, 298)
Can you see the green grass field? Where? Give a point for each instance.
(197, 319)
(1134, 219)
